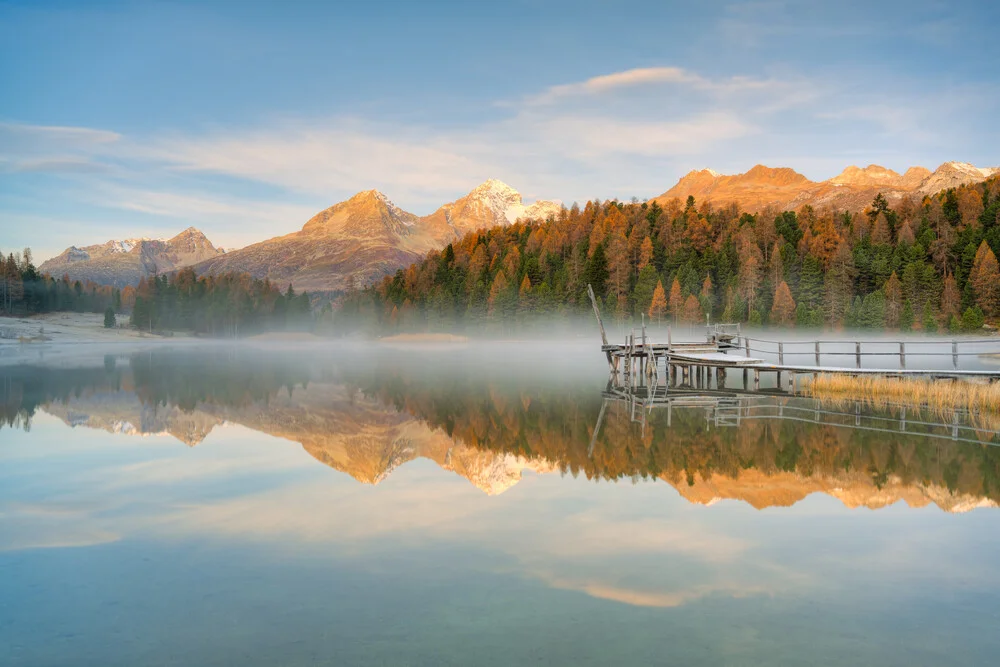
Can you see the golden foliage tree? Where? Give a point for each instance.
(985, 279)
(783, 309)
(645, 253)
(692, 310)
(676, 300)
(970, 206)
(658, 306)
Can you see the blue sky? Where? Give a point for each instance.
(122, 119)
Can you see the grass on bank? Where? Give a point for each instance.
(940, 396)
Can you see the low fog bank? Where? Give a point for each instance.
(560, 344)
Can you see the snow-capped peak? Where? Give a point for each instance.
(394, 210)
(713, 172)
(971, 169)
(506, 205)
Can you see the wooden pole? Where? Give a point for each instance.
(781, 353)
(756, 379)
(857, 353)
(902, 355)
(954, 353)
(597, 313)
(817, 353)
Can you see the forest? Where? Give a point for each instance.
(25, 291)
(231, 305)
(927, 265)
(223, 305)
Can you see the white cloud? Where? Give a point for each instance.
(49, 148)
(610, 82)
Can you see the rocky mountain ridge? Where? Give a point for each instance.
(125, 262)
(853, 189)
(367, 236)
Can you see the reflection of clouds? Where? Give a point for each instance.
(641, 545)
(50, 526)
(242, 486)
(651, 598)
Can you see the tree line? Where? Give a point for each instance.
(25, 291)
(230, 304)
(927, 264)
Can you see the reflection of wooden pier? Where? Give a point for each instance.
(700, 364)
(735, 408)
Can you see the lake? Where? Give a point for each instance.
(453, 505)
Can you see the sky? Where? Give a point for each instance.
(139, 119)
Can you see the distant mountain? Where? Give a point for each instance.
(491, 204)
(122, 263)
(852, 189)
(367, 237)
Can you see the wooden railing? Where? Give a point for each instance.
(951, 350)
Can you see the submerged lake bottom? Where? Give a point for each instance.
(441, 505)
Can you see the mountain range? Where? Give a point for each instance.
(853, 189)
(121, 263)
(359, 240)
(362, 238)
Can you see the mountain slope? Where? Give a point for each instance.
(367, 237)
(121, 263)
(852, 189)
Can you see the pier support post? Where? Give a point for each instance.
(746, 379)
(756, 379)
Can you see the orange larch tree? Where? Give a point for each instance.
(985, 280)
(676, 300)
(658, 307)
(783, 309)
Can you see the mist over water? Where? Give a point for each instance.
(416, 503)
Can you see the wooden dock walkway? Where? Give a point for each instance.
(726, 348)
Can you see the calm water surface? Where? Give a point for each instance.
(453, 506)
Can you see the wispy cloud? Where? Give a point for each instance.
(54, 149)
(656, 77)
(625, 133)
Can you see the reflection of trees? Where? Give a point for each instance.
(507, 411)
(220, 378)
(558, 426)
(23, 389)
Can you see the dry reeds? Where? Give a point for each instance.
(881, 391)
(942, 397)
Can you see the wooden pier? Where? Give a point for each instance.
(697, 365)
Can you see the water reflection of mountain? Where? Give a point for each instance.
(367, 418)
